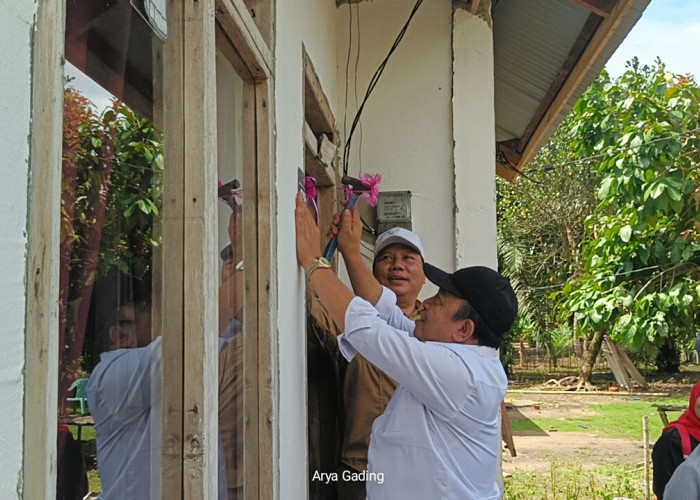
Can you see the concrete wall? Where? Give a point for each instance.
(406, 129)
(18, 19)
(474, 142)
(308, 24)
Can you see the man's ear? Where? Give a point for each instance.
(115, 337)
(465, 333)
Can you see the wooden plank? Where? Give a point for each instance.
(265, 310)
(41, 346)
(506, 431)
(612, 358)
(251, 451)
(317, 110)
(507, 158)
(601, 8)
(593, 50)
(236, 21)
(173, 255)
(261, 13)
(200, 395)
(626, 364)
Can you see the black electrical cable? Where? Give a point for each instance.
(372, 84)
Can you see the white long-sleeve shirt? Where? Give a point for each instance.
(439, 436)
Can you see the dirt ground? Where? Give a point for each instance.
(536, 449)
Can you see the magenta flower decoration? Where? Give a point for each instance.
(310, 184)
(371, 194)
(372, 182)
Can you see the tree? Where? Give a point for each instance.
(541, 231)
(111, 189)
(642, 255)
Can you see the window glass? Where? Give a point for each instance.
(109, 414)
(232, 194)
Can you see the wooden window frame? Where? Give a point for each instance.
(190, 405)
(190, 297)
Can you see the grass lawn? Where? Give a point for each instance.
(572, 477)
(616, 419)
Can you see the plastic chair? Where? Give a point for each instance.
(80, 393)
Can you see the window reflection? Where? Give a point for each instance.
(111, 206)
(231, 287)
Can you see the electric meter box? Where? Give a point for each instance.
(394, 210)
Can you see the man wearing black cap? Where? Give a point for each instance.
(439, 436)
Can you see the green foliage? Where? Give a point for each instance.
(642, 249)
(572, 481)
(541, 229)
(135, 193)
(133, 148)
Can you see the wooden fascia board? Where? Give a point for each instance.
(239, 26)
(507, 159)
(603, 8)
(590, 55)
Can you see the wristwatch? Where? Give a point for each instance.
(318, 263)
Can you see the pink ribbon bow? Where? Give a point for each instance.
(310, 184)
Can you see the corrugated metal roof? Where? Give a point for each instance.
(538, 46)
(532, 39)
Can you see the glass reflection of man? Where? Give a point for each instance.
(231, 356)
(125, 398)
(124, 393)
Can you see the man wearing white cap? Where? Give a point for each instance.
(398, 265)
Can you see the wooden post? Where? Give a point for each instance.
(645, 428)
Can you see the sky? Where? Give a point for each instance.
(669, 29)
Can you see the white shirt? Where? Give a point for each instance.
(124, 395)
(125, 399)
(685, 481)
(439, 437)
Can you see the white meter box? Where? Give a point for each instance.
(394, 206)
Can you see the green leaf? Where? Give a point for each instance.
(625, 233)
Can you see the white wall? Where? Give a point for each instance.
(308, 23)
(406, 132)
(474, 142)
(15, 89)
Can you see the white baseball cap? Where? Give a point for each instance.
(400, 236)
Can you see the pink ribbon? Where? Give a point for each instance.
(310, 184)
(372, 196)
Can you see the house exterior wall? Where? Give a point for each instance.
(15, 88)
(309, 25)
(474, 142)
(406, 133)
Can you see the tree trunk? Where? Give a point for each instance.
(589, 361)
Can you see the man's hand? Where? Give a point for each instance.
(350, 232)
(308, 234)
(235, 234)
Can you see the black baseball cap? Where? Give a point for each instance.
(490, 294)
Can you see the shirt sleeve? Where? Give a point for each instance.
(388, 309)
(322, 325)
(126, 387)
(434, 374)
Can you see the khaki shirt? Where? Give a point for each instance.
(366, 389)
